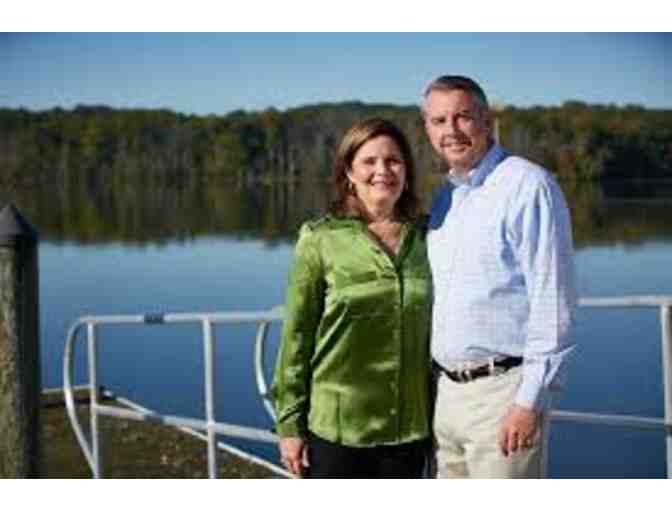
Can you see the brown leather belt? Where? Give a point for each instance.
(470, 374)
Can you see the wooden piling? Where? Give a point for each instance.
(20, 378)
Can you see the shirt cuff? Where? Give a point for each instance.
(532, 395)
(290, 429)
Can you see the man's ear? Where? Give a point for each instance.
(424, 121)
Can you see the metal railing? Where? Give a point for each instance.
(92, 450)
(664, 304)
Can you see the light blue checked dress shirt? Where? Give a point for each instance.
(500, 249)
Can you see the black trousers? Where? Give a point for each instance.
(333, 460)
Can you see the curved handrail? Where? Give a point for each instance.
(259, 355)
(68, 368)
(89, 446)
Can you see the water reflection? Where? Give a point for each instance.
(140, 212)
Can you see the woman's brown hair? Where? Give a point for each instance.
(346, 203)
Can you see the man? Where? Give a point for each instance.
(500, 249)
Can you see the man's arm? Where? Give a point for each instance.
(545, 252)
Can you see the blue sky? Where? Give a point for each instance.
(206, 73)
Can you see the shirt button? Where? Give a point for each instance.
(393, 412)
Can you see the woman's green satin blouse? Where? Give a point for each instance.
(354, 364)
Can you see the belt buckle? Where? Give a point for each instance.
(494, 369)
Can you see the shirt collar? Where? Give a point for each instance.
(477, 175)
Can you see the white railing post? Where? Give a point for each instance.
(666, 326)
(96, 443)
(208, 350)
(68, 391)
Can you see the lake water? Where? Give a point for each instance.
(148, 248)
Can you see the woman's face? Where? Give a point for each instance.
(378, 172)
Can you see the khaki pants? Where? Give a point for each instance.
(467, 420)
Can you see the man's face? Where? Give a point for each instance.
(457, 127)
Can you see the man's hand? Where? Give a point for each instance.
(519, 430)
(294, 454)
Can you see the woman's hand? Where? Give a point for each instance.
(294, 454)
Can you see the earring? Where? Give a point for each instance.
(351, 187)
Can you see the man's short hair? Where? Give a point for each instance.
(447, 83)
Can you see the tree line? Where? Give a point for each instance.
(102, 145)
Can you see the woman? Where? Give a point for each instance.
(352, 377)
